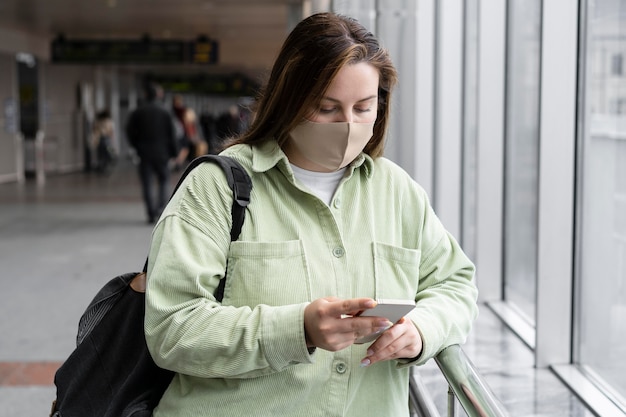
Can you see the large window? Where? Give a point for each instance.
(522, 156)
(470, 128)
(601, 301)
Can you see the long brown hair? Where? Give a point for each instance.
(317, 48)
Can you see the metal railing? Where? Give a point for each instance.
(465, 386)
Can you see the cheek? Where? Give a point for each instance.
(368, 117)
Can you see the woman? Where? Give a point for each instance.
(332, 226)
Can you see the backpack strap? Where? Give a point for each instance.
(239, 182)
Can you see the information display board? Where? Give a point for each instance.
(142, 51)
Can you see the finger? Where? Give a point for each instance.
(387, 353)
(351, 307)
(353, 328)
(394, 343)
(386, 345)
(373, 324)
(358, 327)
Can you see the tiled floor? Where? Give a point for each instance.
(59, 243)
(506, 363)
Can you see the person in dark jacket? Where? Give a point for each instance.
(151, 131)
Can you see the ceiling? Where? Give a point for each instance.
(249, 32)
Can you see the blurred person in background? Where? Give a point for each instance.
(191, 143)
(151, 132)
(103, 142)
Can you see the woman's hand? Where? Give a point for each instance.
(326, 326)
(400, 341)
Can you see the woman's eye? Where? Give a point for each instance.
(334, 109)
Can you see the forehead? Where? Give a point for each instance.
(354, 82)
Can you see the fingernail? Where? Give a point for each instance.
(370, 352)
(365, 362)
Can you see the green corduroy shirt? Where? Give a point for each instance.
(247, 356)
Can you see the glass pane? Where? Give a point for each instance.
(470, 127)
(521, 155)
(601, 310)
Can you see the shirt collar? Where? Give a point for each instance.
(269, 154)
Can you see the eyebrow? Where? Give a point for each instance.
(358, 101)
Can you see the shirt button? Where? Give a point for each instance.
(341, 368)
(338, 252)
(337, 203)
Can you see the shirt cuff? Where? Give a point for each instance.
(283, 339)
(431, 339)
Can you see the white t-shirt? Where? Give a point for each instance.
(322, 184)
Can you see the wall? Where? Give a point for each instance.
(61, 116)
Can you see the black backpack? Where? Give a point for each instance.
(111, 372)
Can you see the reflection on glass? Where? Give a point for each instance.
(601, 309)
(521, 156)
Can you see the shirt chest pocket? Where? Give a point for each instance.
(272, 273)
(396, 271)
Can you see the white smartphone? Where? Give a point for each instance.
(393, 310)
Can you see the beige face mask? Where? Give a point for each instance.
(331, 145)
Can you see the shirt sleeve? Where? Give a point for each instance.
(187, 330)
(446, 302)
